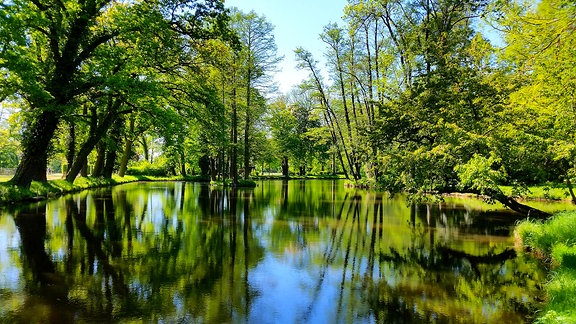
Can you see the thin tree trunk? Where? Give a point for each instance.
(234, 153)
(285, 168)
(182, 163)
(70, 148)
(145, 149)
(335, 144)
(127, 149)
(247, 129)
(570, 189)
(213, 169)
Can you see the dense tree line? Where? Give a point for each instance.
(419, 99)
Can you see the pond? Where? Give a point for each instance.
(284, 252)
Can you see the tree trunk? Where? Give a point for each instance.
(247, 148)
(247, 130)
(516, 206)
(335, 144)
(234, 135)
(354, 165)
(285, 169)
(213, 169)
(99, 164)
(93, 139)
(84, 170)
(70, 148)
(144, 143)
(570, 189)
(109, 163)
(113, 146)
(182, 164)
(520, 208)
(127, 149)
(34, 162)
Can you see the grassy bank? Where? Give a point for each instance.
(556, 191)
(56, 187)
(554, 241)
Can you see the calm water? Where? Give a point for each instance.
(296, 252)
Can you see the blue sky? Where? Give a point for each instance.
(298, 23)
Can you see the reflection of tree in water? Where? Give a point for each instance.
(183, 252)
(425, 280)
(121, 265)
(46, 288)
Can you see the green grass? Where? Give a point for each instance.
(555, 242)
(52, 188)
(551, 191)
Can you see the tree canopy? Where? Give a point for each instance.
(419, 98)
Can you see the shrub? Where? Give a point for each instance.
(145, 168)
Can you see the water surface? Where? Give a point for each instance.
(284, 252)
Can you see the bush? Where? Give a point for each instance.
(145, 168)
(246, 184)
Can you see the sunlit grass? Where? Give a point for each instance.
(555, 241)
(552, 192)
(39, 190)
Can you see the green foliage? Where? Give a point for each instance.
(246, 183)
(12, 194)
(145, 168)
(481, 174)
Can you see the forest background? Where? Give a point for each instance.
(414, 97)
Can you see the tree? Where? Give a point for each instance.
(52, 56)
(257, 58)
(539, 53)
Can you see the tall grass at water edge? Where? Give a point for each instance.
(554, 241)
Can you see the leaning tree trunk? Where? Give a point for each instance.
(93, 139)
(514, 205)
(34, 162)
(125, 157)
(521, 208)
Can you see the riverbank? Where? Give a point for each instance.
(56, 187)
(554, 242)
(52, 188)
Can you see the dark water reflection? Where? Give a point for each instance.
(281, 253)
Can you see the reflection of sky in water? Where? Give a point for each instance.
(9, 244)
(287, 294)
